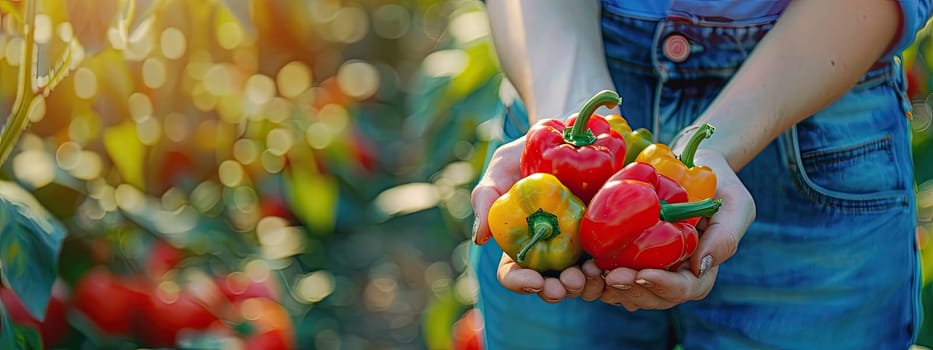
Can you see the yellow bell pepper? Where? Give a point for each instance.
(537, 223)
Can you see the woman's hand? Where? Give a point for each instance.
(503, 171)
(575, 281)
(721, 233)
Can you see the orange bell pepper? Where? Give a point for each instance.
(698, 180)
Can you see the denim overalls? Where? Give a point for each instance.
(830, 261)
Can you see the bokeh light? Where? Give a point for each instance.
(358, 79)
(293, 79)
(85, 83)
(173, 43)
(154, 73)
(311, 156)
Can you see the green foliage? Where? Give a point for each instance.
(30, 242)
(17, 337)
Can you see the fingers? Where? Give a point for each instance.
(723, 231)
(595, 284)
(553, 292)
(655, 289)
(483, 197)
(503, 171)
(621, 289)
(573, 281)
(518, 279)
(676, 287)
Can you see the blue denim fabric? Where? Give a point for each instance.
(830, 261)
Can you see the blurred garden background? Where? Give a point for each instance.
(181, 154)
(258, 174)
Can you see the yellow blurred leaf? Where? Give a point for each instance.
(126, 152)
(311, 194)
(481, 66)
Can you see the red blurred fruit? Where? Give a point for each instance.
(163, 258)
(272, 340)
(363, 151)
(172, 169)
(168, 311)
(269, 325)
(274, 205)
(109, 301)
(468, 331)
(54, 326)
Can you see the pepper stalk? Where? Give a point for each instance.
(579, 135)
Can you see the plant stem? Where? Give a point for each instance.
(16, 123)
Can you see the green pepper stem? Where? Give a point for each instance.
(690, 149)
(542, 226)
(673, 212)
(580, 135)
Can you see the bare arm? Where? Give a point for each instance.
(816, 52)
(552, 51)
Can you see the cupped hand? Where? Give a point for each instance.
(577, 281)
(721, 233)
(501, 173)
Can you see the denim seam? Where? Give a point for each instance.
(661, 74)
(858, 203)
(832, 155)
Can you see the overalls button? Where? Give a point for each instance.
(676, 48)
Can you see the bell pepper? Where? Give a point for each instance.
(635, 140)
(698, 180)
(537, 223)
(582, 152)
(639, 219)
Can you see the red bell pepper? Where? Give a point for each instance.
(582, 153)
(640, 219)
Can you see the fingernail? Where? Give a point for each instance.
(475, 229)
(643, 282)
(622, 286)
(705, 264)
(531, 290)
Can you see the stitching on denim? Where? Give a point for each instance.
(861, 206)
(804, 186)
(830, 156)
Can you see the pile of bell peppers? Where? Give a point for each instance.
(593, 187)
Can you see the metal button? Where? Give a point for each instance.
(676, 48)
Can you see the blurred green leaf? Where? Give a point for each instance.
(126, 151)
(925, 334)
(481, 66)
(30, 242)
(439, 316)
(6, 328)
(23, 337)
(312, 196)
